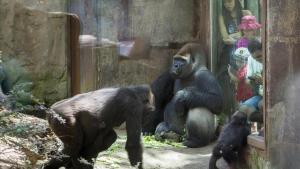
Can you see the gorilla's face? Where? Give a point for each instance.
(149, 102)
(149, 108)
(182, 66)
(146, 96)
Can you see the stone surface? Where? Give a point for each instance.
(164, 157)
(102, 67)
(282, 79)
(161, 21)
(37, 36)
(38, 41)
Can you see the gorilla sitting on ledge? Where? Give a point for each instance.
(232, 140)
(85, 122)
(187, 96)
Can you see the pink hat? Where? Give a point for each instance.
(249, 23)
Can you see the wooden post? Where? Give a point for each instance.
(74, 30)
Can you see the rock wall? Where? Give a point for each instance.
(282, 83)
(38, 40)
(159, 22)
(162, 21)
(102, 67)
(33, 33)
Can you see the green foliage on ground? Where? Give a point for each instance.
(221, 119)
(21, 96)
(150, 142)
(117, 146)
(111, 159)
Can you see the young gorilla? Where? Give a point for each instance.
(232, 140)
(85, 123)
(187, 96)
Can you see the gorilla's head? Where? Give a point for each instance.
(145, 94)
(187, 60)
(239, 118)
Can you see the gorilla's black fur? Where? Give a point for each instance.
(3, 85)
(232, 140)
(162, 89)
(187, 95)
(85, 122)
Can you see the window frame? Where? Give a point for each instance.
(254, 141)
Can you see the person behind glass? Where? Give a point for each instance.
(229, 20)
(243, 90)
(248, 27)
(253, 105)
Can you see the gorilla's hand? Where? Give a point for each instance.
(179, 103)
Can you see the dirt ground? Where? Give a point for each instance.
(27, 142)
(160, 156)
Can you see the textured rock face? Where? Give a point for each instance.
(160, 21)
(37, 37)
(38, 41)
(157, 22)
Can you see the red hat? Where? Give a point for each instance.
(249, 23)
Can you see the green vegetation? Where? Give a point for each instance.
(257, 161)
(109, 161)
(221, 118)
(107, 157)
(21, 96)
(150, 142)
(117, 146)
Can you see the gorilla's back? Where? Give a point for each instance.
(91, 101)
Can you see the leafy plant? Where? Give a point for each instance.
(149, 141)
(221, 119)
(20, 99)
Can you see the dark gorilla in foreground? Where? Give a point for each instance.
(187, 96)
(85, 123)
(232, 140)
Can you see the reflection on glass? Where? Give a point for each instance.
(239, 27)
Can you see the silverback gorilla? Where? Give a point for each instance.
(186, 97)
(231, 140)
(84, 123)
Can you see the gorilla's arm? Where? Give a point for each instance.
(205, 93)
(246, 132)
(133, 143)
(162, 89)
(216, 154)
(191, 97)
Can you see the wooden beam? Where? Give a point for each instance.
(256, 141)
